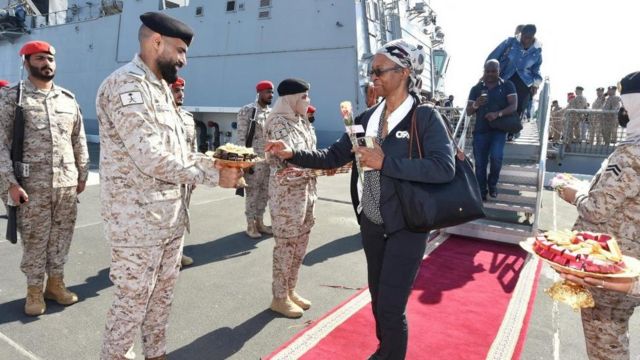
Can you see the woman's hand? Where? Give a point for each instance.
(622, 285)
(568, 193)
(279, 148)
(370, 157)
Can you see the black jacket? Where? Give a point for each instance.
(436, 166)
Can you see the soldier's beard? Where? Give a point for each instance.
(38, 73)
(168, 71)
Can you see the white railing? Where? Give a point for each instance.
(544, 113)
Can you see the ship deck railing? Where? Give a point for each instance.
(586, 132)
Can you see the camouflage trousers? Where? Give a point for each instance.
(257, 191)
(595, 129)
(556, 129)
(288, 254)
(46, 226)
(573, 133)
(144, 279)
(606, 326)
(610, 129)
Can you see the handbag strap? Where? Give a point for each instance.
(414, 134)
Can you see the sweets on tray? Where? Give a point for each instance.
(234, 152)
(583, 251)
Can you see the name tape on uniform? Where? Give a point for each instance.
(131, 98)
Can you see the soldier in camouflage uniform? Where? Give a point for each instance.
(612, 205)
(257, 178)
(556, 122)
(145, 162)
(55, 150)
(573, 120)
(610, 124)
(177, 89)
(596, 119)
(292, 196)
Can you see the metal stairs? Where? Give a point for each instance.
(513, 215)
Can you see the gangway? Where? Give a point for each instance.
(513, 215)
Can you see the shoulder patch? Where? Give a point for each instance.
(614, 169)
(280, 131)
(131, 98)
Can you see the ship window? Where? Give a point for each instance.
(231, 6)
(241, 6)
(264, 14)
(265, 3)
(199, 11)
(172, 4)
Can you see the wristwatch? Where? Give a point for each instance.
(500, 114)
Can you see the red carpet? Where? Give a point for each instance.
(455, 311)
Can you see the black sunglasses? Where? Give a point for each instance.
(378, 72)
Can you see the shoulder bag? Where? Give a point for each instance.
(428, 206)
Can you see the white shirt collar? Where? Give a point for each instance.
(394, 118)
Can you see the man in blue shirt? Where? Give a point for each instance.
(490, 99)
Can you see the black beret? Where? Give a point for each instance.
(168, 26)
(630, 83)
(529, 29)
(600, 89)
(292, 86)
(579, 88)
(612, 88)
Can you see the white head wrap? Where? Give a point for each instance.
(408, 56)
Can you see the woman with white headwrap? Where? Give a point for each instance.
(612, 206)
(393, 252)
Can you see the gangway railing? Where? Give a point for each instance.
(544, 113)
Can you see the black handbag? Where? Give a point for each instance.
(427, 206)
(508, 123)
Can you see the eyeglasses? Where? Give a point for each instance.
(379, 72)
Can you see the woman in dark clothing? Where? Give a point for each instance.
(393, 252)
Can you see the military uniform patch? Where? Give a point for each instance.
(131, 98)
(615, 169)
(280, 132)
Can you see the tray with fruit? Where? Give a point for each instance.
(583, 253)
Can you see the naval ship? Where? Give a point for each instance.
(220, 309)
(237, 43)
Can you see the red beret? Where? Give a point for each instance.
(264, 85)
(34, 47)
(4, 83)
(311, 109)
(178, 83)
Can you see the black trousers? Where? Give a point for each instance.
(392, 265)
(524, 93)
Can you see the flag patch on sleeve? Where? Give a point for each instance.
(131, 98)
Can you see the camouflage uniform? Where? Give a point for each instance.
(55, 147)
(610, 125)
(573, 120)
(612, 206)
(291, 203)
(257, 190)
(144, 157)
(595, 121)
(556, 123)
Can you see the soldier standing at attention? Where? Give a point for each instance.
(251, 133)
(612, 206)
(610, 126)
(145, 162)
(177, 89)
(595, 120)
(55, 152)
(292, 196)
